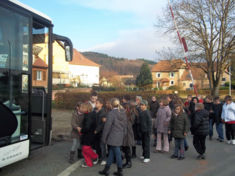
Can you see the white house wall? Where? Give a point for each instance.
(89, 75)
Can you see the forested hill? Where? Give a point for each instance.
(122, 66)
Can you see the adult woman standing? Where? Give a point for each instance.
(129, 137)
(113, 135)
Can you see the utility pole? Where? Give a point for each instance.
(230, 78)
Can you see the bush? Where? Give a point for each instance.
(227, 84)
(68, 100)
(100, 88)
(174, 88)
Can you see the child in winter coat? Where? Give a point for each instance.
(228, 116)
(76, 123)
(208, 104)
(217, 109)
(200, 129)
(88, 135)
(100, 147)
(162, 124)
(179, 127)
(146, 129)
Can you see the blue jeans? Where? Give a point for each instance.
(185, 143)
(103, 150)
(220, 131)
(114, 152)
(179, 147)
(211, 124)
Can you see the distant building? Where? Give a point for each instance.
(104, 82)
(39, 73)
(167, 73)
(84, 70)
(60, 73)
(79, 71)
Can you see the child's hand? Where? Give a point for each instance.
(185, 134)
(95, 132)
(169, 132)
(79, 129)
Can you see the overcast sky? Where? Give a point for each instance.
(122, 28)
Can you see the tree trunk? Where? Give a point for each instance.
(215, 90)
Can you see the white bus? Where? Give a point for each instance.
(25, 109)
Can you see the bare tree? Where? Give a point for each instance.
(168, 53)
(208, 27)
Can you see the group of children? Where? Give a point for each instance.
(98, 126)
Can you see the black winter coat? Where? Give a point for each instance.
(200, 125)
(88, 129)
(136, 125)
(217, 108)
(209, 107)
(145, 122)
(99, 123)
(191, 112)
(154, 105)
(172, 106)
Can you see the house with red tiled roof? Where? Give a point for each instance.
(39, 72)
(83, 71)
(167, 73)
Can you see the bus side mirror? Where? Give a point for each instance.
(68, 53)
(68, 46)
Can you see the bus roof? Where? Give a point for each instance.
(30, 9)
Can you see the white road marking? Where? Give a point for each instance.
(70, 169)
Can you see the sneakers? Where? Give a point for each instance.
(96, 161)
(84, 165)
(220, 140)
(229, 142)
(142, 157)
(103, 163)
(201, 157)
(233, 142)
(181, 158)
(173, 156)
(146, 160)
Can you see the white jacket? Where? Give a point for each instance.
(228, 113)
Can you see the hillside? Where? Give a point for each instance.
(113, 65)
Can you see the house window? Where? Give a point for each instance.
(39, 75)
(172, 74)
(172, 82)
(158, 75)
(223, 79)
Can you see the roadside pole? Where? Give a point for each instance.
(230, 78)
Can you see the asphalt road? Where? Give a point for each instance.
(52, 161)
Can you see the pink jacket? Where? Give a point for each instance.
(163, 119)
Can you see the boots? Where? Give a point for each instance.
(119, 172)
(105, 171)
(71, 157)
(128, 164)
(79, 154)
(133, 152)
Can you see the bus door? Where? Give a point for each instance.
(40, 83)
